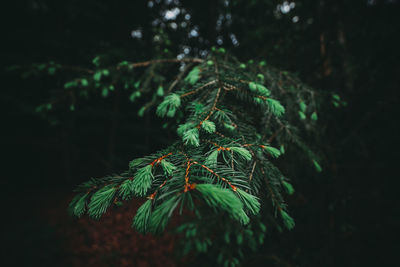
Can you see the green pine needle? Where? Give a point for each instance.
(84, 82)
(70, 84)
(252, 86)
(275, 107)
(77, 206)
(336, 97)
(168, 167)
(142, 181)
(212, 159)
(141, 220)
(258, 101)
(243, 218)
(224, 199)
(317, 166)
(314, 116)
(198, 107)
(287, 220)
(134, 163)
(104, 92)
(263, 227)
(250, 202)
(336, 104)
(274, 152)
(242, 152)
(208, 126)
(229, 126)
(191, 137)
(141, 111)
(126, 189)
(171, 112)
(97, 76)
(302, 115)
(162, 109)
(160, 216)
(160, 91)
(100, 201)
(184, 127)
(303, 106)
(282, 149)
(169, 106)
(193, 76)
(262, 90)
(288, 187)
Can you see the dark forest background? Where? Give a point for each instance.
(346, 216)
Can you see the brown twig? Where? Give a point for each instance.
(216, 174)
(198, 89)
(165, 60)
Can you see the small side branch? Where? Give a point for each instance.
(216, 174)
(252, 170)
(170, 60)
(212, 108)
(158, 160)
(198, 89)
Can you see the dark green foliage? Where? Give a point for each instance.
(134, 163)
(242, 152)
(208, 126)
(141, 220)
(275, 107)
(193, 76)
(100, 201)
(272, 151)
(317, 166)
(160, 216)
(168, 167)
(212, 159)
(223, 199)
(142, 181)
(77, 206)
(288, 187)
(314, 116)
(169, 106)
(126, 190)
(251, 202)
(287, 220)
(191, 137)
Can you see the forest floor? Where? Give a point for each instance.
(47, 236)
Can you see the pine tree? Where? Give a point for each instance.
(233, 122)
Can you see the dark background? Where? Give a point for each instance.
(346, 216)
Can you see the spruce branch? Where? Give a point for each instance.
(223, 113)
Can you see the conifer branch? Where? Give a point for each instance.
(224, 112)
